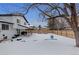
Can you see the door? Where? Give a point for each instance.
(18, 31)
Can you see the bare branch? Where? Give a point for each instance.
(43, 12)
(30, 7)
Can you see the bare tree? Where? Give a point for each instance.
(68, 12)
(74, 24)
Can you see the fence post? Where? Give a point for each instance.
(61, 32)
(66, 33)
(57, 32)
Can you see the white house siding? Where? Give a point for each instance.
(9, 33)
(22, 21)
(7, 19)
(12, 27)
(13, 19)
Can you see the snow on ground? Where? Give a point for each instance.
(39, 44)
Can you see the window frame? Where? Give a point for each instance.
(18, 21)
(5, 26)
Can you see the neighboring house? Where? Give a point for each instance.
(11, 24)
(58, 23)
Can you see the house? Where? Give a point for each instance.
(11, 24)
(58, 23)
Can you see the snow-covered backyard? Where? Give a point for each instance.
(39, 44)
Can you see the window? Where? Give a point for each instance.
(24, 23)
(18, 21)
(5, 27)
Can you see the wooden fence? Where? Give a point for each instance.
(67, 33)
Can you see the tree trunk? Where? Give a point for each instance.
(76, 33)
(74, 24)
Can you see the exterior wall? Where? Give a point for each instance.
(13, 19)
(12, 27)
(9, 33)
(7, 19)
(21, 19)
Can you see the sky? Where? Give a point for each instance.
(32, 16)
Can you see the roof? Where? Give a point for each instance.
(6, 22)
(22, 26)
(15, 15)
